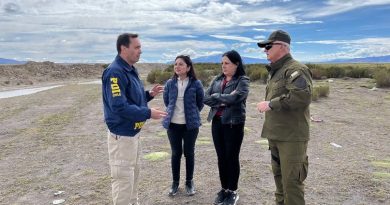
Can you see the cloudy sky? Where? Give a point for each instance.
(86, 30)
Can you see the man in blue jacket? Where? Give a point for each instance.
(125, 112)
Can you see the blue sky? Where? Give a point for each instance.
(85, 31)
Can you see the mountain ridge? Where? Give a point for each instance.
(10, 61)
(375, 59)
(217, 59)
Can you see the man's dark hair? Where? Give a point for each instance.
(188, 61)
(235, 58)
(124, 40)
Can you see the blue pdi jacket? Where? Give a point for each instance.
(124, 99)
(193, 102)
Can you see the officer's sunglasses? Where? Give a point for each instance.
(269, 46)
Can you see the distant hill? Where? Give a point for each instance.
(10, 61)
(248, 60)
(378, 59)
(217, 59)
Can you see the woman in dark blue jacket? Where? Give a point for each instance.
(183, 97)
(226, 97)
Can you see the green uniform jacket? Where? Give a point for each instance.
(289, 90)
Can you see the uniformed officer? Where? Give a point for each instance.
(287, 118)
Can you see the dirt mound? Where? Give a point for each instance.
(33, 73)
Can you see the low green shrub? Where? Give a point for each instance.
(382, 77)
(321, 90)
(105, 65)
(158, 76)
(335, 72)
(317, 71)
(204, 72)
(151, 78)
(204, 76)
(257, 72)
(163, 77)
(358, 72)
(315, 94)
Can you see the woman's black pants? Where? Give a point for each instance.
(227, 141)
(182, 139)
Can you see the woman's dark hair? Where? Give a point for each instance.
(235, 58)
(124, 40)
(188, 61)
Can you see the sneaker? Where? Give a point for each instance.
(190, 188)
(174, 188)
(221, 195)
(231, 198)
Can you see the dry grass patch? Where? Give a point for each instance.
(156, 156)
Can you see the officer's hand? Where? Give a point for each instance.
(157, 114)
(157, 89)
(263, 106)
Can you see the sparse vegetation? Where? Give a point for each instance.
(155, 156)
(382, 175)
(382, 77)
(257, 72)
(322, 71)
(384, 164)
(315, 95)
(162, 134)
(317, 70)
(262, 142)
(320, 90)
(158, 76)
(204, 73)
(247, 130)
(323, 90)
(203, 141)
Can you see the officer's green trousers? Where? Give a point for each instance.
(289, 166)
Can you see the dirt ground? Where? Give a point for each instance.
(55, 140)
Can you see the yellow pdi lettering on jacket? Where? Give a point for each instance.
(138, 125)
(115, 87)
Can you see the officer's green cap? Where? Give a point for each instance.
(278, 35)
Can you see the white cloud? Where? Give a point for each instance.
(261, 37)
(336, 6)
(86, 30)
(188, 51)
(167, 57)
(240, 45)
(260, 29)
(171, 49)
(236, 38)
(254, 50)
(358, 48)
(254, 1)
(189, 36)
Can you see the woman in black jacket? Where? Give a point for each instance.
(227, 98)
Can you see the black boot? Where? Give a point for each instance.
(190, 188)
(174, 188)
